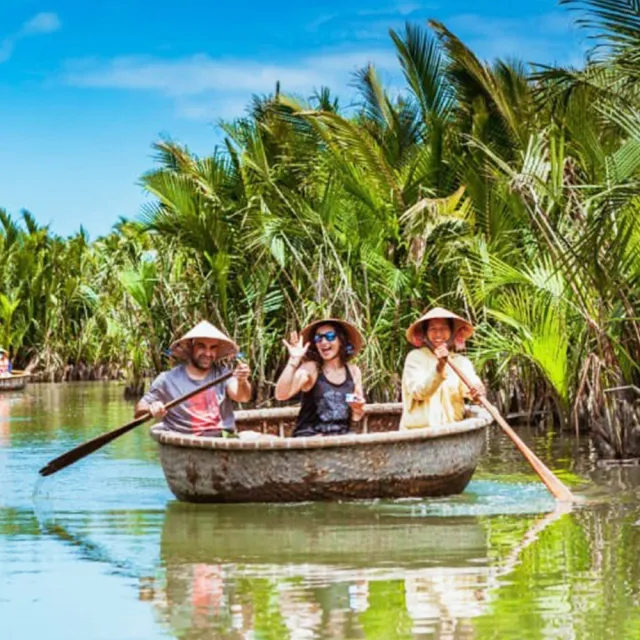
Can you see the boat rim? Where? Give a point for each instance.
(479, 420)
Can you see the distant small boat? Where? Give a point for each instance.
(14, 382)
(379, 462)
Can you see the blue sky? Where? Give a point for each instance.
(86, 87)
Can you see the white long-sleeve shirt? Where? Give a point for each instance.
(431, 398)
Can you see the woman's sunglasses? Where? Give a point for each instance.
(330, 336)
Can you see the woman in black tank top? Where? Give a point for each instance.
(318, 369)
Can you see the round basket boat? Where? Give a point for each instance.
(376, 463)
(14, 382)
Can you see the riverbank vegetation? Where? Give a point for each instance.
(506, 191)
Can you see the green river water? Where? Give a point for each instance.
(102, 550)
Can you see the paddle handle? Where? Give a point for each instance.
(100, 441)
(559, 490)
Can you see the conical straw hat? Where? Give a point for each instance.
(353, 335)
(462, 329)
(205, 329)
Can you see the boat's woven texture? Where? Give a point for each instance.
(429, 462)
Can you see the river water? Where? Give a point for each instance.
(102, 550)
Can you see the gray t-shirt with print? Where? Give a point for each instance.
(203, 414)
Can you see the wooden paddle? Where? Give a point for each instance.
(553, 483)
(98, 442)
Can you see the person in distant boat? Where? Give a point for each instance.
(432, 394)
(5, 365)
(319, 368)
(209, 413)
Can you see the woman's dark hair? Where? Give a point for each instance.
(449, 322)
(346, 348)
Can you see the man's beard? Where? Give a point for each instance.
(201, 367)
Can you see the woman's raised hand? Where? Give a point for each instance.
(295, 347)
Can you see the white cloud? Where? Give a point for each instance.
(212, 108)
(372, 24)
(322, 20)
(548, 24)
(40, 24)
(203, 87)
(205, 111)
(402, 9)
(543, 38)
(187, 76)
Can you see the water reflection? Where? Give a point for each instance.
(4, 421)
(7, 401)
(494, 562)
(287, 572)
(323, 571)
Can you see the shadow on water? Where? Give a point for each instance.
(339, 534)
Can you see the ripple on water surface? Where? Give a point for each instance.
(482, 498)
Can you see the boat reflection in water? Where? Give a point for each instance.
(319, 570)
(7, 401)
(5, 416)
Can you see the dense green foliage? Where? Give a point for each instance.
(506, 192)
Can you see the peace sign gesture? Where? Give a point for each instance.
(295, 347)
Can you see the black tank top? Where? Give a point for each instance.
(324, 409)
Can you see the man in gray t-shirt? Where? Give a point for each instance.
(207, 413)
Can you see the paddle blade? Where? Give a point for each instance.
(556, 487)
(88, 447)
